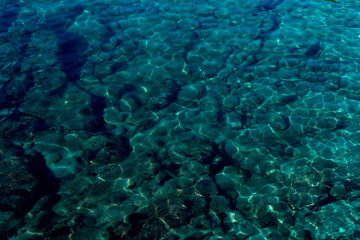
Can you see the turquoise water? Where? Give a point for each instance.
(179, 120)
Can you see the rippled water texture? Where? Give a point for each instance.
(179, 120)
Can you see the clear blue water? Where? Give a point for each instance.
(179, 120)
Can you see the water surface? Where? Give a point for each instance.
(179, 119)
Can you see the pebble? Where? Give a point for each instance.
(95, 59)
(52, 158)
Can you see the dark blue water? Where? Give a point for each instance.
(179, 120)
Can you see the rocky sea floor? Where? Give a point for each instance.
(179, 120)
